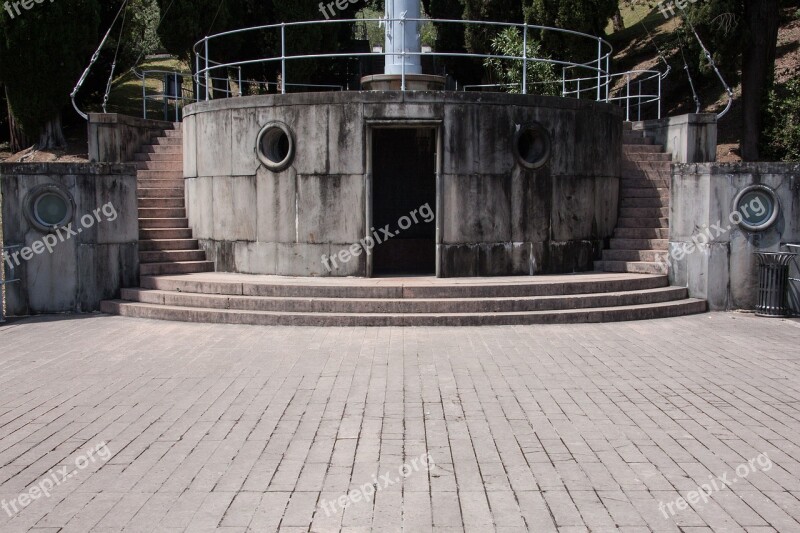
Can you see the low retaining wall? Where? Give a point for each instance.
(689, 138)
(115, 138)
(91, 255)
(709, 252)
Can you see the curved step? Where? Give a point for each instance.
(405, 305)
(266, 318)
(278, 286)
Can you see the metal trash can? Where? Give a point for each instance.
(773, 280)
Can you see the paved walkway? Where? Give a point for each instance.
(155, 426)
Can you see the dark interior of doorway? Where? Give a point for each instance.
(404, 185)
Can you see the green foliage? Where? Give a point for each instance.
(781, 138)
(42, 54)
(720, 25)
(542, 77)
(587, 16)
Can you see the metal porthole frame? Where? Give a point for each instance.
(539, 131)
(775, 212)
(33, 197)
(271, 133)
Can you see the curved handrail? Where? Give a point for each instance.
(202, 55)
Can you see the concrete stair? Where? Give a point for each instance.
(423, 301)
(166, 245)
(641, 239)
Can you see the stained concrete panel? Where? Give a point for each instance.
(330, 208)
(234, 201)
(214, 144)
(276, 205)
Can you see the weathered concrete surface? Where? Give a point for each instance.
(114, 138)
(690, 138)
(91, 265)
(497, 217)
(724, 270)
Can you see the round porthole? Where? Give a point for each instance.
(48, 207)
(532, 145)
(758, 207)
(275, 146)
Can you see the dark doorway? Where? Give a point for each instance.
(404, 197)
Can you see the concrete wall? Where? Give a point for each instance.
(689, 138)
(497, 217)
(87, 267)
(723, 271)
(115, 138)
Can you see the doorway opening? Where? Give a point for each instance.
(404, 200)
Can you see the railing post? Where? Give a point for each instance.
(627, 97)
(599, 66)
(403, 52)
(563, 82)
(659, 96)
(240, 82)
(639, 112)
(283, 58)
(144, 94)
(525, 59)
(608, 76)
(175, 85)
(578, 91)
(197, 77)
(205, 74)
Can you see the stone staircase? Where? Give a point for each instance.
(166, 245)
(422, 301)
(641, 240)
(177, 283)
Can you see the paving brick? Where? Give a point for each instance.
(545, 429)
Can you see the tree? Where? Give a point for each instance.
(541, 78)
(43, 51)
(743, 37)
(758, 66)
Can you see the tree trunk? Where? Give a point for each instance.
(761, 19)
(619, 24)
(18, 140)
(51, 136)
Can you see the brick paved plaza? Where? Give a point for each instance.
(536, 428)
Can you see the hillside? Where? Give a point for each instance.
(635, 49)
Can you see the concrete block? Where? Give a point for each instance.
(330, 208)
(276, 205)
(214, 144)
(189, 146)
(505, 259)
(235, 204)
(531, 204)
(255, 257)
(477, 208)
(573, 208)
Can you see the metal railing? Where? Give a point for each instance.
(204, 65)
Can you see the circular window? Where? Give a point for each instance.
(532, 145)
(275, 146)
(48, 207)
(758, 207)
